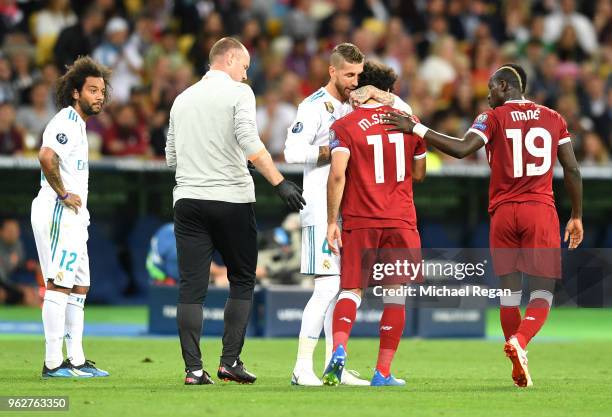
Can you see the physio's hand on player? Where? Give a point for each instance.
(574, 233)
(333, 236)
(73, 201)
(403, 123)
(291, 194)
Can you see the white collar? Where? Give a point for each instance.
(216, 74)
(371, 105)
(524, 101)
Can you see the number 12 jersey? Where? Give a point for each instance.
(521, 139)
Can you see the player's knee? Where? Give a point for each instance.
(354, 295)
(512, 300)
(326, 287)
(543, 295)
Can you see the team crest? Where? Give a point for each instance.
(329, 106)
(481, 118)
(61, 138)
(326, 264)
(297, 127)
(59, 277)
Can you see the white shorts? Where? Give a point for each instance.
(317, 258)
(61, 241)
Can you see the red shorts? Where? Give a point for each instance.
(363, 248)
(525, 238)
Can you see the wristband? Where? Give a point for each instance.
(62, 198)
(420, 130)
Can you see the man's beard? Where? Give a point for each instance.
(88, 109)
(341, 90)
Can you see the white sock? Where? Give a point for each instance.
(327, 329)
(75, 317)
(325, 290)
(54, 317)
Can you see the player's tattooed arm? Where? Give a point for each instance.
(367, 92)
(572, 179)
(324, 156)
(50, 166)
(456, 147)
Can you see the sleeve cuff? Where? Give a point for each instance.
(341, 149)
(565, 140)
(481, 134)
(312, 154)
(420, 156)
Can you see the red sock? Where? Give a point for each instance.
(391, 329)
(535, 316)
(510, 317)
(344, 317)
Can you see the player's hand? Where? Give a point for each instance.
(333, 236)
(402, 123)
(73, 201)
(291, 194)
(574, 232)
(360, 95)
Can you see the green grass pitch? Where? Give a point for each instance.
(571, 364)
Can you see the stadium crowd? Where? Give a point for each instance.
(443, 51)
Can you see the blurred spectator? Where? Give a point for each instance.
(125, 63)
(166, 48)
(162, 262)
(78, 39)
(273, 118)
(567, 46)
(143, 37)
(299, 24)
(7, 88)
(24, 72)
(437, 70)
(12, 258)
(297, 61)
(34, 117)
(126, 136)
(594, 151)
(212, 31)
(566, 14)
(11, 17)
(594, 104)
(56, 16)
(11, 138)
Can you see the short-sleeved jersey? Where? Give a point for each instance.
(66, 135)
(378, 188)
(314, 117)
(521, 139)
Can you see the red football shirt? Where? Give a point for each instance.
(521, 139)
(378, 189)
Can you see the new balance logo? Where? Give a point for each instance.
(529, 318)
(346, 319)
(386, 327)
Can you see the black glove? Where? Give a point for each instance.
(251, 167)
(291, 194)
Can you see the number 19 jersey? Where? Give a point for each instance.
(378, 190)
(521, 139)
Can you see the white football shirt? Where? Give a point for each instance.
(66, 135)
(309, 131)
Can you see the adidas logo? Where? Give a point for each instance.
(529, 318)
(346, 319)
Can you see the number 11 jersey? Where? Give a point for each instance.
(521, 139)
(378, 189)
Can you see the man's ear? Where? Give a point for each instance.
(332, 71)
(503, 84)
